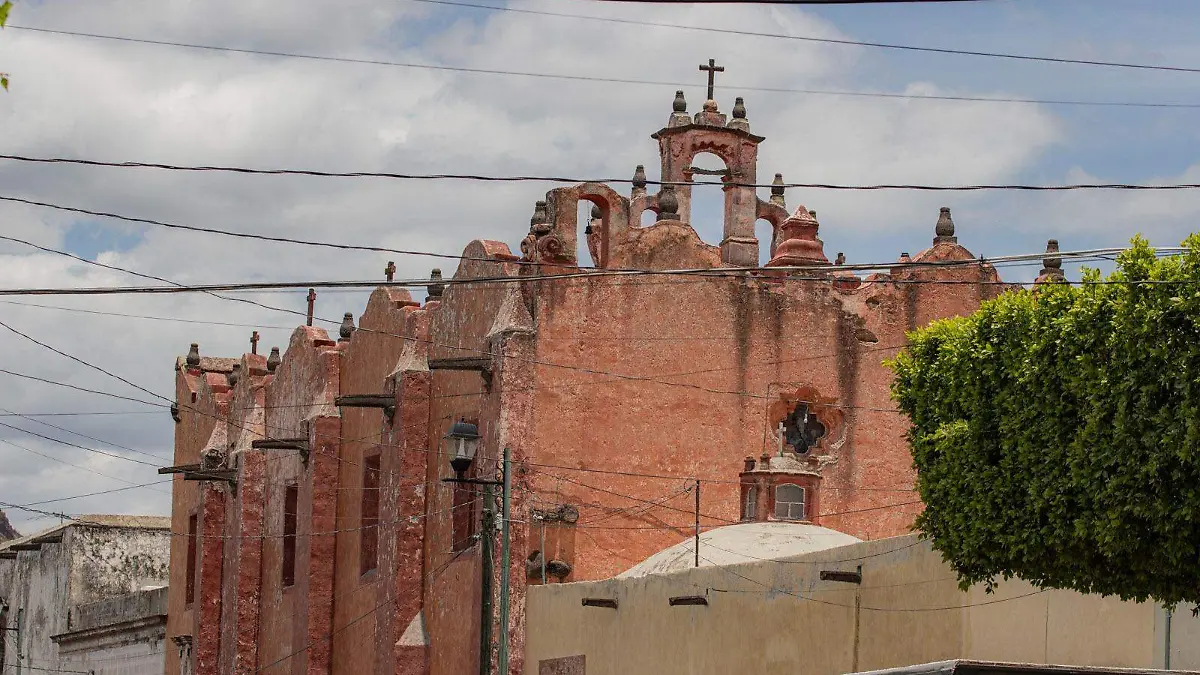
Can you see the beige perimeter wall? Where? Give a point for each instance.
(777, 617)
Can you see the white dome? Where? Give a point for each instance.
(742, 543)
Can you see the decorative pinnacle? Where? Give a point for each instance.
(273, 360)
(235, 374)
(639, 177)
(193, 356)
(668, 204)
(945, 226)
(680, 104)
(777, 191)
(1052, 263)
(841, 259)
(390, 270)
(436, 288)
(739, 109)
(347, 328)
(539, 215)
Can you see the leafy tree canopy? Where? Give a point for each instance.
(1057, 432)
(5, 7)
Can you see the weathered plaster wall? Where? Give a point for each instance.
(910, 611)
(197, 391)
(242, 555)
(366, 634)
(38, 598)
(124, 635)
(300, 404)
(107, 562)
(75, 564)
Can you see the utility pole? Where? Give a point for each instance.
(697, 522)
(505, 563)
(487, 542)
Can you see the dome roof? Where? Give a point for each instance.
(741, 543)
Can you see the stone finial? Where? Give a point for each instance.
(1051, 265)
(347, 328)
(235, 374)
(273, 360)
(680, 103)
(841, 259)
(537, 223)
(436, 287)
(749, 464)
(668, 203)
(193, 356)
(739, 120)
(390, 271)
(639, 177)
(945, 228)
(777, 190)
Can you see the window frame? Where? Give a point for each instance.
(791, 504)
(193, 552)
(368, 515)
(287, 559)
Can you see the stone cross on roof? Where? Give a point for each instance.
(712, 69)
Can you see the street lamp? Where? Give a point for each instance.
(464, 442)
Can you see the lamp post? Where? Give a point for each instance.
(463, 439)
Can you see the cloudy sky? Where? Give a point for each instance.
(99, 99)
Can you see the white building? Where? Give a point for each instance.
(65, 597)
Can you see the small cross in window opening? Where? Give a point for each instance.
(802, 430)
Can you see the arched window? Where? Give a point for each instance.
(789, 502)
(750, 503)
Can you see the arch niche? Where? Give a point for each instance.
(612, 223)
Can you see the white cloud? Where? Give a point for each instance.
(92, 98)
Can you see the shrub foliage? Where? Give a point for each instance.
(1056, 433)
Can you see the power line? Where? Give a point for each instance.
(716, 274)
(785, 2)
(615, 80)
(81, 361)
(172, 319)
(77, 388)
(209, 230)
(96, 494)
(76, 433)
(1023, 187)
(803, 38)
(74, 466)
(583, 272)
(80, 447)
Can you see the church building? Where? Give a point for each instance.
(675, 385)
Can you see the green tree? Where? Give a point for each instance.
(1056, 433)
(4, 10)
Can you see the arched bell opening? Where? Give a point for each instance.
(705, 206)
(764, 230)
(589, 225)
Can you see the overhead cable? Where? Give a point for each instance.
(486, 178)
(728, 31)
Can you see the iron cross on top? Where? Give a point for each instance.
(712, 69)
